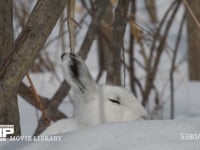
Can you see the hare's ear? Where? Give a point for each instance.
(76, 73)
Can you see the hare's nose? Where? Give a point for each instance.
(63, 55)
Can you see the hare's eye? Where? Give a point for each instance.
(115, 101)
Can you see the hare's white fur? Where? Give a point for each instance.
(95, 104)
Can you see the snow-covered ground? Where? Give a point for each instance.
(141, 135)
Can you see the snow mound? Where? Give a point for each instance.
(141, 135)
(61, 126)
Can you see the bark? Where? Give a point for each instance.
(6, 30)
(119, 26)
(26, 49)
(9, 113)
(193, 42)
(104, 40)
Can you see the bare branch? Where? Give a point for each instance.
(119, 26)
(26, 93)
(132, 52)
(152, 71)
(93, 29)
(38, 101)
(173, 66)
(71, 25)
(39, 26)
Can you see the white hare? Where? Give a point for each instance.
(94, 104)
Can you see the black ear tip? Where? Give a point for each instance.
(72, 55)
(63, 54)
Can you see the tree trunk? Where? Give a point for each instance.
(9, 112)
(104, 40)
(193, 42)
(119, 26)
(26, 48)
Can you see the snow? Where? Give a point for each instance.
(140, 135)
(187, 102)
(61, 126)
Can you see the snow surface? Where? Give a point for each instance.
(141, 135)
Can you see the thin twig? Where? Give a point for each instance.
(173, 66)
(71, 26)
(132, 52)
(38, 101)
(151, 73)
(124, 68)
(135, 79)
(156, 35)
(61, 33)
